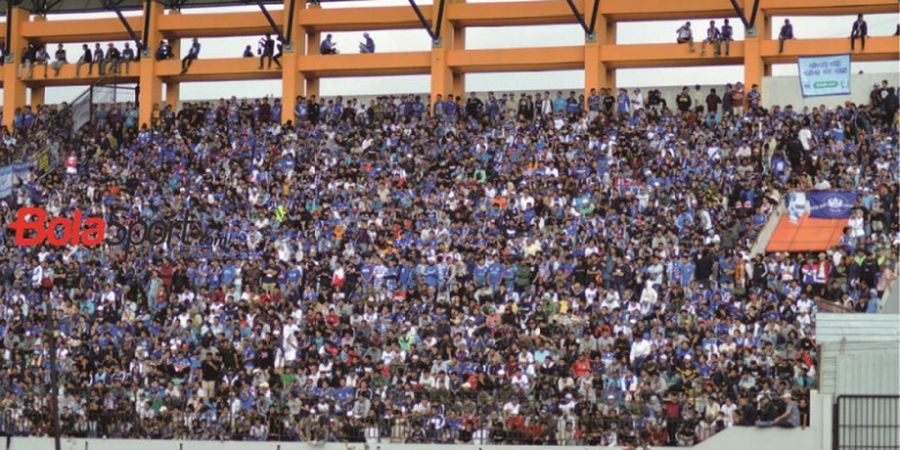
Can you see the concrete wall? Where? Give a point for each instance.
(785, 90)
(731, 439)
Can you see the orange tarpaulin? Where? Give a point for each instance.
(806, 235)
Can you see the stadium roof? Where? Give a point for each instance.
(88, 6)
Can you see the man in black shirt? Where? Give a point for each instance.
(267, 50)
(211, 369)
(713, 101)
(683, 100)
(859, 31)
(474, 106)
(609, 102)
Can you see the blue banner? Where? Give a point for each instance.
(21, 170)
(6, 175)
(824, 75)
(830, 205)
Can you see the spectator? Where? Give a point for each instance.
(128, 55)
(859, 31)
(790, 418)
(683, 100)
(328, 47)
(684, 35)
(42, 58)
(99, 59)
(59, 59)
(29, 56)
(368, 44)
(248, 52)
(192, 55)
(787, 32)
(754, 98)
(112, 58)
(712, 102)
(164, 52)
(86, 58)
(712, 37)
(726, 36)
(279, 51)
(267, 51)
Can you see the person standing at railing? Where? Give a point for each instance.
(859, 31)
(86, 58)
(59, 59)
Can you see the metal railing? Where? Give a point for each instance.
(866, 422)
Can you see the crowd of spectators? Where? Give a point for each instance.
(489, 269)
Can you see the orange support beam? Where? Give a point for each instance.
(517, 59)
(13, 86)
(37, 96)
(401, 63)
(80, 31)
(513, 13)
(176, 25)
(364, 19)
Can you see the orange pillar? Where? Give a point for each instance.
(37, 96)
(13, 87)
(173, 94)
(597, 74)
(291, 80)
(150, 82)
(443, 80)
(459, 43)
(755, 68)
(313, 40)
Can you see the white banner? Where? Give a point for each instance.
(824, 75)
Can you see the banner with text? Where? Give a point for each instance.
(830, 205)
(824, 75)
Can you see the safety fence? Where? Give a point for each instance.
(866, 422)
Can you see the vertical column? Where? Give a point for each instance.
(173, 87)
(150, 83)
(173, 94)
(13, 87)
(313, 39)
(443, 80)
(459, 43)
(291, 81)
(597, 74)
(37, 96)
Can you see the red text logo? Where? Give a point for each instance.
(32, 228)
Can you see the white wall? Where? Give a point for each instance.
(785, 90)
